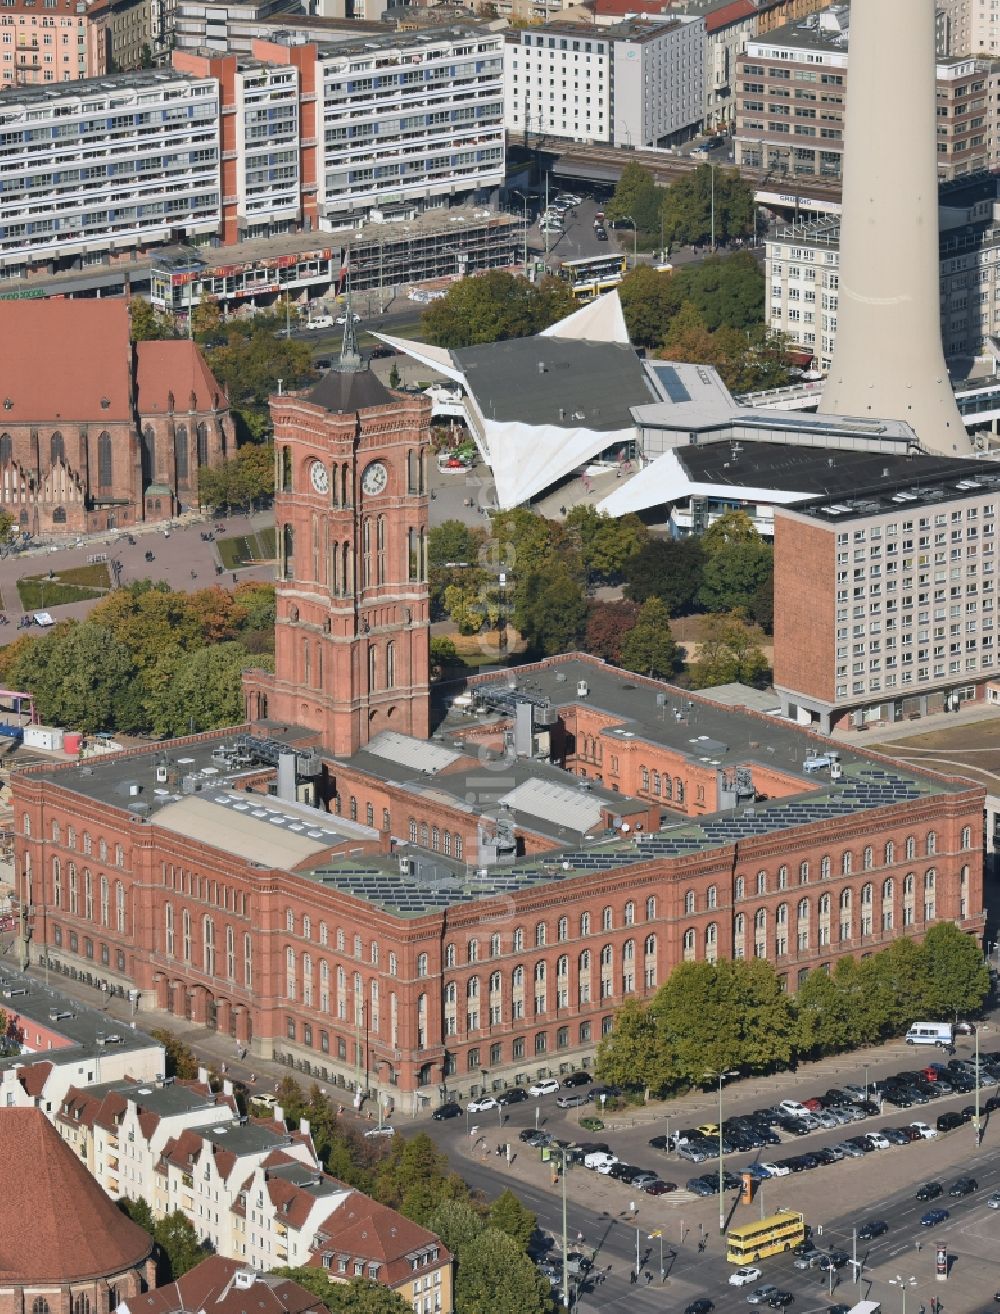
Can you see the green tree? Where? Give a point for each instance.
(358, 1296)
(249, 364)
(496, 1277)
(607, 543)
(470, 606)
(493, 307)
(509, 1215)
(148, 324)
(637, 1052)
(687, 207)
(200, 690)
(457, 1223)
(179, 1244)
(729, 650)
(83, 677)
(551, 611)
(737, 563)
(823, 1015)
(414, 1178)
(139, 1212)
(726, 290)
(956, 980)
(451, 540)
(650, 300)
(180, 1058)
(669, 569)
(444, 655)
(649, 647)
(636, 199)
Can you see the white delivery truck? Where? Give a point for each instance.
(931, 1033)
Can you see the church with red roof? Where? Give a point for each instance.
(98, 432)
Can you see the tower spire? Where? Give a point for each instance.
(350, 357)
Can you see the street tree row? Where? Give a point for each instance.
(736, 1016)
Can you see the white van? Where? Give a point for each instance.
(321, 322)
(931, 1033)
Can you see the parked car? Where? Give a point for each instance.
(701, 1187)
(355, 317)
(609, 1092)
(481, 1103)
(657, 1187)
(571, 1101)
(993, 1201)
(949, 1121)
(534, 1137)
(700, 1306)
(744, 1276)
(894, 1135)
(600, 1161)
(776, 1169)
(929, 1191)
(780, 1299)
(877, 1141)
(849, 1150)
(516, 1095)
(547, 1086)
(792, 1109)
(870, 1230)
(928, 1133)
(592, 1124)
(449, 1110)
(578, 1079)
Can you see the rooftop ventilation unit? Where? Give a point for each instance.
(582, 689)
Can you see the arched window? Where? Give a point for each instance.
(679, 789)
(845, 900)
(39, 1305)
(781, 914)
(562, 929)
(711, 939)
(739, 887)
(651, 908)
(201, 435)
(540, 973)
(80, 1303)
(105, 460)
(517, 977)
(421, 964)
(6, 449)
(148, 455)
(760, 919)
(390, 665)
(472, 989)
(607, 920)
(887, 889)
(908, 884)
(628, 951)
(585, 961)
(57, 448)
(649, 945)
(966, 837)
(824, 867)
(868, 858)
(644, 778)
(802, 911)
(890, 853)
(782, 878)
(762, 882)
(539, 934)
(181, 451)
(711, 897)
(585, 923)
(931, 843)
(449, 955)
(846, 863)
(929, 878)
(630, 913)
(911, 848)
(689, 944)
(867, 891)
(824, 906)
(689, 901)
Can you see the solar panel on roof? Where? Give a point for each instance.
(672, 384)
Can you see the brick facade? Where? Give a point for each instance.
(511, 987)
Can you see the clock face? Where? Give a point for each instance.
(319, 476)
(374, 479)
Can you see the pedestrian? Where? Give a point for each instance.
(234, 576)
(919, 1245)
(631, 1277)
(579, 1238)
(649, 1278)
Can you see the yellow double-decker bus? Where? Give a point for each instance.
(772, 1235)
(592, 275)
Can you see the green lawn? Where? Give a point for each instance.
(246, 549)
(75, 584)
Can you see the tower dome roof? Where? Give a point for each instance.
(57, 1224)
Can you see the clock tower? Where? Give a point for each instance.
(353, 621)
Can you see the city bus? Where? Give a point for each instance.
(748, 1242)
(591, 276)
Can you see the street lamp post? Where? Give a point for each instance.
(902, 1283)
(560, 1156)
(977, 1118)
(721, 1076)
(635, 239)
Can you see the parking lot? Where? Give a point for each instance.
(873, 1185)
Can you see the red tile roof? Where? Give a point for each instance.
(210, 1287)
(33, 1077)
(57, 1224)
(366, 1230)
(176, 367)
(731, 13)
(64, 359)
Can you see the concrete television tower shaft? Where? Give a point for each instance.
(888, 359)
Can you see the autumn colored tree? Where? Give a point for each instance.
(146, 324)
(729, 649)
(608, 626)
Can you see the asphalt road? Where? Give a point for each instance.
(836, 1198)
